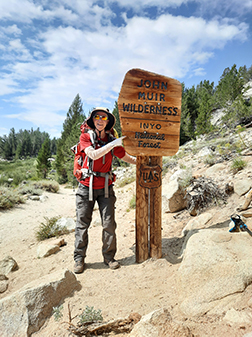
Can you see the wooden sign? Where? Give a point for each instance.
(149, 106)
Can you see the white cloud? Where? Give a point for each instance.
(199, 72)
(86, 54)
(237, 7)
(139, 4)
(41, 119)
(25, 11)
(15, 45)
(11, 30)
(8, 85)
(3, 131)
(22, 11)
(93, 63)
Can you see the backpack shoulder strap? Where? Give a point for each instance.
(92, 135)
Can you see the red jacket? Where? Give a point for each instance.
(98, 166)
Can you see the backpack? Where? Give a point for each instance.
(80, 156)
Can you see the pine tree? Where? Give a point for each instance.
(205, 97)
(43, 164)
(230, 85)
(27, 144)
(69, 136)
(22, 144)
(6, 148)
(117, 126)
(74, 116)
(60, 165)
(13, 141)
(189, 113)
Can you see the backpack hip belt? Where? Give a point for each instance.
(87, 173)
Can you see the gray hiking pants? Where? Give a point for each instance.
(84, 211)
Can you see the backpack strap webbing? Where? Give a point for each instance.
(106, 175)
(90, 173)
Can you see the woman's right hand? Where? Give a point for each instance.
(117, 141)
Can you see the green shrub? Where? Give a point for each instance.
(90, 315)
(210, 160)
(125, 181)
(238, 164)
(9, 198)
(182, 166)
(57, 312)
(187, 179)
(47, 185)
(50, 229)
(18, 178)
(29, 189)
(132, 202)
(168, 163)
(18, 170)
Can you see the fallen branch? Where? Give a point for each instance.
(117, 326)
(247, 202)
(202, 193)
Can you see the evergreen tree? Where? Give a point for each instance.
(230, 86)
(13, 141)
(74, 116)
(60, 165)
(69, 136)
(43, 164)
(183, 137)
(6, 148)
(205, 97)
(117, 126)
(18, 154)
(27, 144)
(229, 93)
(22, 144)
(189, 113)
(54, 145)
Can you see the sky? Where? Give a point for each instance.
(52, 50)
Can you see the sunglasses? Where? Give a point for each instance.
(103, 118)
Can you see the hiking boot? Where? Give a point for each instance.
(78, 267)
(113, 264)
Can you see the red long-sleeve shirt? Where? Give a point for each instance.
(98, 166)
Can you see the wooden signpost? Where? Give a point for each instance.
(150, 108)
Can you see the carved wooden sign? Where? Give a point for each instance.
(150, 176)
(150, 108)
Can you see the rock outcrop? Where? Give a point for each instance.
(215, 267)
(25, 311)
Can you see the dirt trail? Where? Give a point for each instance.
(139, 288)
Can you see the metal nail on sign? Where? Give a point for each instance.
(150, 176)
(149, 106)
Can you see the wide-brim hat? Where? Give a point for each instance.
(111, 118)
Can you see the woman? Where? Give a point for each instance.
(97, 185)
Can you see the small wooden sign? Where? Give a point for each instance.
(150, 176)
(149, 106)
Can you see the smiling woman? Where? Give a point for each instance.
(96, 184)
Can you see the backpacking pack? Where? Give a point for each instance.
(80, 158)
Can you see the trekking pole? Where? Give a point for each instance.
(239, 225)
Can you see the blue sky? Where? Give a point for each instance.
(50, 50)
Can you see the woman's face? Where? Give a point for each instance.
(101, 122)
